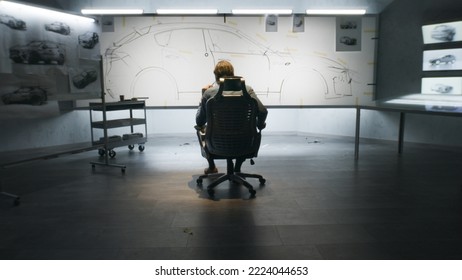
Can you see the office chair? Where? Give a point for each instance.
(231, 132)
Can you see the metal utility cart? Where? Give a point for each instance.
(135, 137)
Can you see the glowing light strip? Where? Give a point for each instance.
(261, 11)
(112, 11)
(35, 9)
(425, 102)
(187, 11)
(336, 12)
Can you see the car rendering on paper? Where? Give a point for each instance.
(441, 88)
(348, 25)
(12, 22)
(348, 41)
(444, 59)
(38, 51)
(88, 40)
(58, 27)
(84, 78)
(443, 33)
(26, 95)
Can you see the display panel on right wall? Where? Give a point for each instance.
(442, 63)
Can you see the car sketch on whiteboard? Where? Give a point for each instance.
(172, 66)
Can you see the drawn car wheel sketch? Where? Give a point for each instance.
(178, 75)
(151, 78)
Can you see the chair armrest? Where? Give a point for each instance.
(200, 131)
(261, 127)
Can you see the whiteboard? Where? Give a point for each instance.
(169, 59)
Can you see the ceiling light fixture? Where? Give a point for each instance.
(336, 12)
(43, 11)
(261, 11)
(187, 11)
(112, 11)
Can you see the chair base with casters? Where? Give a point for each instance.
(230, 175)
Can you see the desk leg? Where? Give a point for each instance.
(402, 119)
(358, 124)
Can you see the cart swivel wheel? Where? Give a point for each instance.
(131, 147)
(141, 148)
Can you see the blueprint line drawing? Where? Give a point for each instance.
(169, 62)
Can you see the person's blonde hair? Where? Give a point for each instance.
(223, 69)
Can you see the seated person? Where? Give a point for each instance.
(225, 69)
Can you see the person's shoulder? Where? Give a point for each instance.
(249, 89)
(210, 92)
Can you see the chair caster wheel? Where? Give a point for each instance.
(252, 193)
(262, 181)
(211, 192)
(16, 202)
(199, 181)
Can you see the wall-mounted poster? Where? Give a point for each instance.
(169, 60)
(348, 34)
(442, 32)
(442, 86)
(271, 23)
(442, 60)
(38, 48)
(298, 23)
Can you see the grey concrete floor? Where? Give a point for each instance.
(317, 203)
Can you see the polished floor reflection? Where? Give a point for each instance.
(318, 203)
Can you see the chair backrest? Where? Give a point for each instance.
(232, 121)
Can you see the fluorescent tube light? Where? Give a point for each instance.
(112, 11)
(261, 11)
(187, 11)
(43, 11)
(336, 12)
